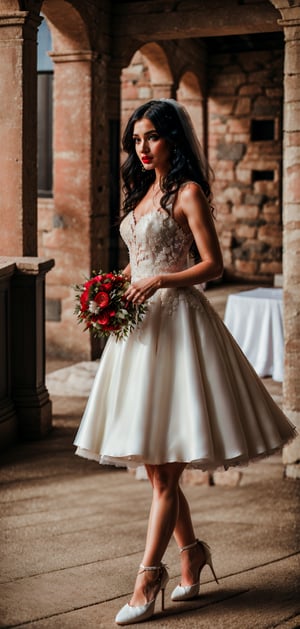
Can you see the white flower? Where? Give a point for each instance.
(93, 307)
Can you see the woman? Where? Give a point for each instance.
(178, 391)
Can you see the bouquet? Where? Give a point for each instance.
(101, 305)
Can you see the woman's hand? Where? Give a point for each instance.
(140, 291)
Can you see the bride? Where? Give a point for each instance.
(178, 391)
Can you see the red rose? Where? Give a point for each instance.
(84, 300)
(90, 282)
(106, 286)
(103, 318)
(102, 299)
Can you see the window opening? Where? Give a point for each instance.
(262, 130)
(262, 175)
(45, 112)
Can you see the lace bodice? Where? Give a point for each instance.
(156, 244)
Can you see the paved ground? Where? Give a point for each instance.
(72, 535)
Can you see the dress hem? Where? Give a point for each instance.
(134, 461)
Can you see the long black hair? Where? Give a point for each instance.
(185, 165)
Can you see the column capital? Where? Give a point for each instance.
(290, 13)
(291, 28)
(74, 55)
(19, 17)
(27, 22)
(293, 21)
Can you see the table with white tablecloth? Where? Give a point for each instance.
(254, 318)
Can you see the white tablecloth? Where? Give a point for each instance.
(254, 318)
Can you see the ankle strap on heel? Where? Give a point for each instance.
(150, 568)
(193, 545)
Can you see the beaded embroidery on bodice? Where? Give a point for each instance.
(156, 244)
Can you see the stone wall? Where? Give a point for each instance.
(244, 136)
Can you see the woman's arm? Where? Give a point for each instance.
(127, 272)
(193, 210)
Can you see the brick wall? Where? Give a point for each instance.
(244, 123)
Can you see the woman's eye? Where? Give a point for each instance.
(152, 138)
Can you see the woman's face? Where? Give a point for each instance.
(151, 149)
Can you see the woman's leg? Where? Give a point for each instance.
(184, 530)
(162, 520)
(184, 535)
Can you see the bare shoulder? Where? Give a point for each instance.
(191, 195)
(190, 192)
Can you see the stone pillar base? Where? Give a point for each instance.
(34, 412)
(8, 424)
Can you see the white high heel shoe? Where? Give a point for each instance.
(130, 614)
(186, 592)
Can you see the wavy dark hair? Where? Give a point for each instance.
(184, 164)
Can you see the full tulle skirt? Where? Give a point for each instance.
(179, 389)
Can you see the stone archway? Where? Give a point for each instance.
(159, 70)
(147, 76)
(69, 32)
(189, 94)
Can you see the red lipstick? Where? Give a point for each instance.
(146, 160)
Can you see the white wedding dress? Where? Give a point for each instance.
(178, 388)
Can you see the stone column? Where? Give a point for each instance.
(29, 393)
(18, 153)
(291, 225)
(69, 239)
(113, 112)
(105, 241)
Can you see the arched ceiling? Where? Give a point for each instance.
(68, 30)
(157, 63)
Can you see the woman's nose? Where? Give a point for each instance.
(144, 146)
